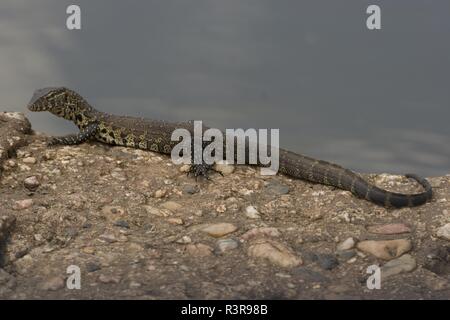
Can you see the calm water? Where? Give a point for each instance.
(374, 101)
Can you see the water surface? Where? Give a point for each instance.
(373, 101)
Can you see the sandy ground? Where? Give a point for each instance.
(136, 227)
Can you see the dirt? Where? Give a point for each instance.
(138, 227)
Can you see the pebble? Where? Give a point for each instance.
(252, 213)
(199, 250)
(438, 260)
(31, 183)
(275, 252)
(53, 284)
(172, 205)
(176, 221)
(184, 240)
(190, 189)
(219, 229)
(385, 249)
(23, 204)
(392, 228)
(134, 285)
(88, 250)
(221, 208)
(108, 237)
(277, 188)
(92, 267)
(185, 168)
(327, 261)
(160, 193)
(108, 279)
(157, 212)
(405, 263)
(29, 160)
(224, 245)
(108, 210)
(347, 244)
(122, 224)
(224, 168)
(10, 163)
(346, 254)
(444, 232)
(261, 232)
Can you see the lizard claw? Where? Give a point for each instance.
(201, 170)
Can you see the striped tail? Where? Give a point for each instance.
(327, 173)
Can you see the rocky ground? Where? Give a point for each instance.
(139, 228)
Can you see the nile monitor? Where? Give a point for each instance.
(155, 135)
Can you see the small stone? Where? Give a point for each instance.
(347, 244)
(160, 193)
(53, 284)
(38, 237)
(438, 260)
(185, 168)
(10, 163)
(108, 279)
(221, 208)
(199, 250)
(176, 221)
(122, 224)
(29, 160)
(112, 210)
(134, 285)
(108, 237)
(224, 245)
(31, 183)
(406, 263)
(252, 213)
(327, 261)
(277, 188)
(224, 167)
(444, 232)
(261, 232)
(184, 240)
(157, 212)
(92, 267)
(171, 205)
(385, 249)
(23, 204)
(88, 250)
(275, 252)
(219, 229)
(190, 189)
(392, 228)
(346, 255)
(117, 174)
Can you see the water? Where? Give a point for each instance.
(373, 101)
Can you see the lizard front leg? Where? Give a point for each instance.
(85, 134)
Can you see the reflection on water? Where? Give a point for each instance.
(374, 101)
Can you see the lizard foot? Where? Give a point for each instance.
(202, 170)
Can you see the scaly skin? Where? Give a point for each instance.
(156, 135)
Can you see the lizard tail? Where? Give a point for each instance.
(327, 173)
(363, 189)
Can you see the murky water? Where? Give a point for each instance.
(374, 101)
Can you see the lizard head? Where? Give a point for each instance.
(60, 101)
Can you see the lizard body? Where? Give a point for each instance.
(156, 135)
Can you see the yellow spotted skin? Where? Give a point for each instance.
(156, 135)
